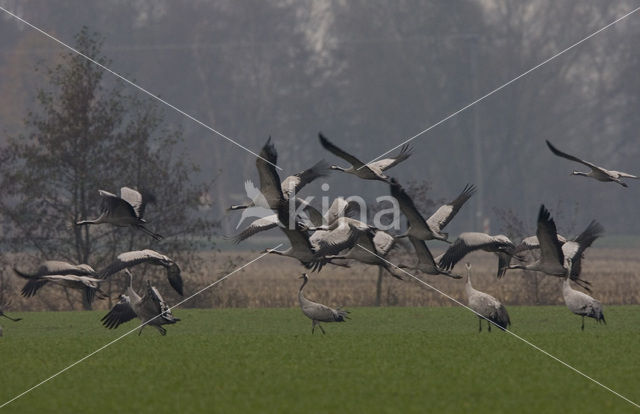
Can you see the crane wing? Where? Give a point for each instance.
(559, 153)
(624, 175)
(550, 246)
(574, 249)
(340, 207)
(329, 146)
(115, 206)
(407, 206)
(257, 226)
(342, 237)
(121, 312)
(314, 216)
(55, 267)
(385, 164)
(174, 276)
(130, 259)
(425, 258)
(32, 286)
(270, 186)
(445, 213)
(294, 183)
(153, 302)
(134, 198)
(465, 244)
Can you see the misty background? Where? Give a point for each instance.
(369, 75)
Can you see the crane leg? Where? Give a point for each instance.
(313, 326)
(479, 324)
(489, 326)
(321, 328)
(9, 317)
(582, 324)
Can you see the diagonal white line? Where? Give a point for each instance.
(504, 85)
(506, 330)
(134, 329)
(140, 88)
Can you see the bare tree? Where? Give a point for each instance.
(85, 135)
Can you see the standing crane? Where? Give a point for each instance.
(151, 309)
(123, 211)
(486, 306)
(580, 303)
(318, 312)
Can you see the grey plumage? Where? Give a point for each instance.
(123, 211)
(257, 226)
(318, 312)
(445, 213)
(90, 286)
(532, 243)
(598, 173)
(372, 171)
(426, 263)
(136, 257)
(473, 241)
(314, 255)
(271, 189)
(580, 303)
(554, 254)
(371, 246)
(486, 306)
(57, 267)
(432, 227)
(149, 308)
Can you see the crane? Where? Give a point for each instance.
(468, 242)
(151, 309)
(432, 227)
(318, 312)
(123, 211)
(598, 173)
(136, 257)
(89, 285)
(372, 171)
(580, 303)
(486, 306)
(554, 254)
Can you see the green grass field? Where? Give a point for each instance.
(266, 360)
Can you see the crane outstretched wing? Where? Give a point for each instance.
(332, 148)
(121, 312)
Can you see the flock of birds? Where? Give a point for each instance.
(317, 239)
(123, 211)
(334, 238)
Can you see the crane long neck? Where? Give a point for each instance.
(468, 288)
(569, 266)
(304, 282)
(132, 293)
